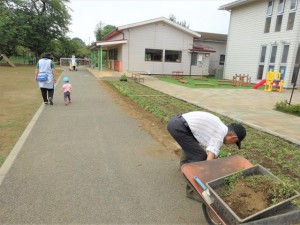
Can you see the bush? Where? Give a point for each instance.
(285, 107)
(123, 77)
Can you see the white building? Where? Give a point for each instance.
(263, 36)
(156, 46)
(217, 44)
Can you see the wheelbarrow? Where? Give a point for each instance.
(208, 171)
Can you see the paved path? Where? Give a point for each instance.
(90, 163)
(250, 106)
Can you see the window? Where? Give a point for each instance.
(272, 58)
(280, 8)
(293, 5)
(172, 56)
(153, 55)
(260, 72)
(194, 58)
(285, 53)
(296, 66)
(222, 59)
(261, 62)
(268, 24)
(282, 71)
(291, 19)
(273, 54)
(113, 54)
(270, 8)
(278, 23)
(283, 61)
(263, 54)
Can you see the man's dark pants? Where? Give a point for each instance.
(181, 132)
(192, 152)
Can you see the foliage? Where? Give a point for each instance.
(33, 24)
(285, 107)
(123, 77)
(66, 47)
(182, 23)
(101, 31)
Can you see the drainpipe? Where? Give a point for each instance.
(99, 55)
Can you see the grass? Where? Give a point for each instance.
(278, 155)
(286, 108)
(211, 83)
(20, 98)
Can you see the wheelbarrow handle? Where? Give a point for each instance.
(200, 183)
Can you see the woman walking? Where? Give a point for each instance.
(47, 67)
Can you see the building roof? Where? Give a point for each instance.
(212, 37)
(234, 4)
(160, 19)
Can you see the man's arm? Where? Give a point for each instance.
(210, 156)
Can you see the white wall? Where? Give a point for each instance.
(246, 36)
(156, 36)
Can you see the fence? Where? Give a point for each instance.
(21, 60)
(65, 62)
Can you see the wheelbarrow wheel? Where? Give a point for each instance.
(210, 217)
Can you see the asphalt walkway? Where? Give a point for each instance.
(91, 163)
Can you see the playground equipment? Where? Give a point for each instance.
(274, 81)
(259, 84)
(4, 57)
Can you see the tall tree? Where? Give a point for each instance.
(102, 30)
(182, 23)
(39, 21)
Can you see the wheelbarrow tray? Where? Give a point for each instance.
(214, 169)
(230, 215)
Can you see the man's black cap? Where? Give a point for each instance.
(240, 132)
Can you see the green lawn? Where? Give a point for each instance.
(205, 83)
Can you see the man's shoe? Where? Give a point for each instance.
(50, 100)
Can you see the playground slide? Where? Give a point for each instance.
(259, 84)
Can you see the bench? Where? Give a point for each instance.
(200, 78)
(177, 75)
(229, 84)
(183, 81)
(137, 77)
(208, 84)
(177, 72)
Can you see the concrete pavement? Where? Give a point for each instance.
(91, 163)
(249, 106)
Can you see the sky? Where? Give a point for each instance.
(200, 15)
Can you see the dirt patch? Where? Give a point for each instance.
(249, 195)
(150, 123)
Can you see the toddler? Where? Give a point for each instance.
(67, 87)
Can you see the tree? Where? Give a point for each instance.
(37, 22)
(8, 31)
(101, 30)
(66, 47)
(182, 23)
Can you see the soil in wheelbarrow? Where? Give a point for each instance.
(251, 194)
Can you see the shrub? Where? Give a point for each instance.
(123, 77)
(285, 107)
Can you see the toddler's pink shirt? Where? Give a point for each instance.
(67, 87)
